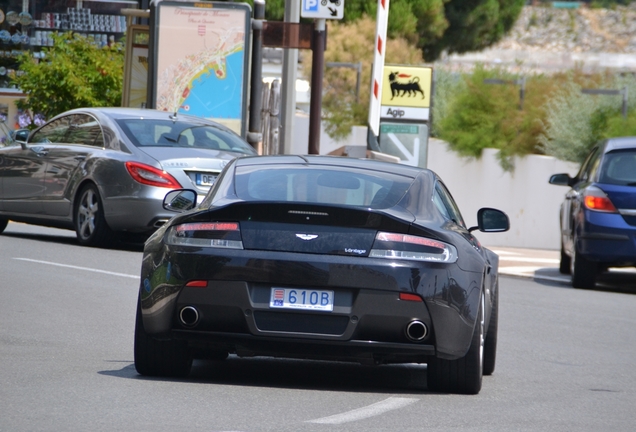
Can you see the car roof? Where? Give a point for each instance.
(335, 161)
(146, 113)
(620, 143)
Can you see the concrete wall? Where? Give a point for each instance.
(524, 194)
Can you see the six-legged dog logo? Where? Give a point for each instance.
(411, 87)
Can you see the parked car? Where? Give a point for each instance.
(326, 258)
(105, 170)
(598, 215)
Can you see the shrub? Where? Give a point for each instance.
(575, 121)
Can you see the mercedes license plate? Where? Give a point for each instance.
(296, 298)
(206, 179)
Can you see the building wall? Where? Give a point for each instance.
(524, 194)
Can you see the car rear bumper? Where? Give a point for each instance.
(607, 238)
(137, 214)
(364, 324)
(362, 351)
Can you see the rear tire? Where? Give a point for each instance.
(490, 343)
(3, 225)
(584, 271)
(463, 375)
(161, 358)
(90, 226)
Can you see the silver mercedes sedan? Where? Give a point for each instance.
(105, 171)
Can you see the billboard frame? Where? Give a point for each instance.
(157, 50)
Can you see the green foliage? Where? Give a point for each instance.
(74, 73)
(434, 26)
(609, 4)
(621, 126)
(447, 86)
(473, 25)
(477, 115)
(482, 116)
(576, 121)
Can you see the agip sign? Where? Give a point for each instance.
(406, 93)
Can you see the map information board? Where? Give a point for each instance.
(201, 61)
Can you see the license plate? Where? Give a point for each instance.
(295, 298)
(206, 179)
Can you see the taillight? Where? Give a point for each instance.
(145, 174)
(225, 235)
(410, 247)
(410, 297)
(595, 199)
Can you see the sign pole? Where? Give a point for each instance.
(317, 71)
(320, 11)
(288, 93)
(376, 77)
(254, 136)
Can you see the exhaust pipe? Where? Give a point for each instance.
(416, 330)
(189, 316)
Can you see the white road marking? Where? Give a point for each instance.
(531, 260)
(79, 268)
(516, 270)
(378, 408)
(500, 252)
(531, 272)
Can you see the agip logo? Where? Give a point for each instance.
(407, 86)
(406, 93)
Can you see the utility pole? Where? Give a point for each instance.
(288, 84)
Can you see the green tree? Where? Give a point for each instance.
(73, 73)
(473, 25)
(434, 26)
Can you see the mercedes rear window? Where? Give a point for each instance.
(181, 134)
(321, 185)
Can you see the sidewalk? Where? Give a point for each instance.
(543, 265)
(530, 263)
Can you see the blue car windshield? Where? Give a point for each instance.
(321, 185)
(619, 168)
(166, 133)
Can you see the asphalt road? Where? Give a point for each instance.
(566, 361)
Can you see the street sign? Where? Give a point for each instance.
(322, 9)
(406, 93)
(409, 142)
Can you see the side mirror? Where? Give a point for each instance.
(21, 135)
(561, 180)
(180, 200)
(491, 220)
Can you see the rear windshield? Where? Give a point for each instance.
(166, 133)
(619, 168)
(321, 185)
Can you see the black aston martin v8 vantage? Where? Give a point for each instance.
(319, 257)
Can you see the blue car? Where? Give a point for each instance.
(598, 216)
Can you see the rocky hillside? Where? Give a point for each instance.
(574, 30)
(547, 39)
